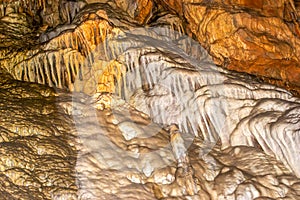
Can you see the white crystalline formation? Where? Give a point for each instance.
(164, 80)
(172, 79)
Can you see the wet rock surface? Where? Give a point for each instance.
(259, 38)
(84, 152)
(95, 106)
(37, 160)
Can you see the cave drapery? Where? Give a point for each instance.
(149, 99)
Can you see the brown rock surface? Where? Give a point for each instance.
(256, 37)
(117, 144)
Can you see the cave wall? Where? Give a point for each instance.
(49, 135)
(256, 37)
(259, 38)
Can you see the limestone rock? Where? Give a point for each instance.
(112, 100)
(260, 38)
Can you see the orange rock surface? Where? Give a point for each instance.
(256, 37)
(214, 135)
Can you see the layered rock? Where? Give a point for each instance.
(145, 110)
(260, 38)
(62, 160)
(37, 155)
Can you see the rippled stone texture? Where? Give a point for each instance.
(257, 37)
(43, 164)
(236, 172)
(156, 119)
(37, 160)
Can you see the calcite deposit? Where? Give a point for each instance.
(133, 99)
(257, 37)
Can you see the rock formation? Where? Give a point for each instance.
(132, 100)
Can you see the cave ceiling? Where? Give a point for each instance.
(149, 99)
